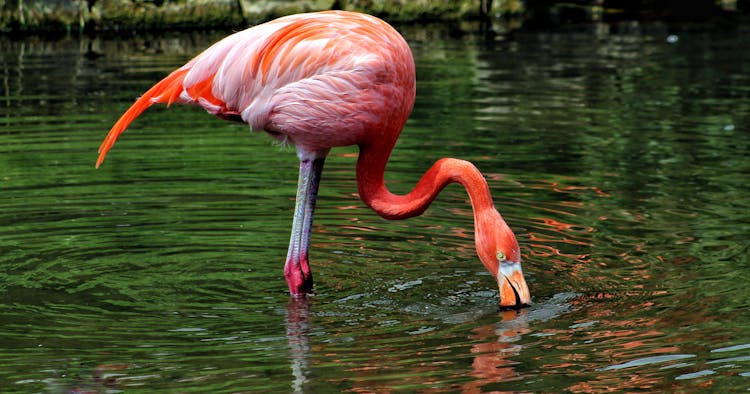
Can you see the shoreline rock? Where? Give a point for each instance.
(118, 15)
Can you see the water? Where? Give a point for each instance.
(618, 154)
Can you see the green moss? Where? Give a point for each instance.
(128, 14)
(257, 11)
(408, 10)
(34, 15)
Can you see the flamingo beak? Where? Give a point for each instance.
(514, 293)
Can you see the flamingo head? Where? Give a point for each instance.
(498, 249)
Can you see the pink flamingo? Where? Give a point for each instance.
(327, 79)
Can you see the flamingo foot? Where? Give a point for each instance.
(298, 277)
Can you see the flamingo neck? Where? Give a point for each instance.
(372, 190)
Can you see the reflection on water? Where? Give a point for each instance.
(618, 157)
(298, 335)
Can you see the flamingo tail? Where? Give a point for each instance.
(167, 91)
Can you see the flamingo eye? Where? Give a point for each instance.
(500, 256)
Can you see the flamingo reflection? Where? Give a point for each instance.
(297, 334)
(500, 342)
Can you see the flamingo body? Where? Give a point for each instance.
(322, 80)
(307, 79)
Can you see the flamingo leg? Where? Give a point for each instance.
(297, 269)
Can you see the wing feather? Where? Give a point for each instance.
(164, 91)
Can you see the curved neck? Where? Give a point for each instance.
(372, 190)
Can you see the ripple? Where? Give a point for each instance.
(648, 360)
(731, 348)
(695, 375)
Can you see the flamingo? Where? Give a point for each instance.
(322, 80)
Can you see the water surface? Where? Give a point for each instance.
(618, 154)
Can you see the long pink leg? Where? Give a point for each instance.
(297, 269)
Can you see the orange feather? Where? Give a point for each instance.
(168, 90)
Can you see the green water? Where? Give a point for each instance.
(620, 157)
